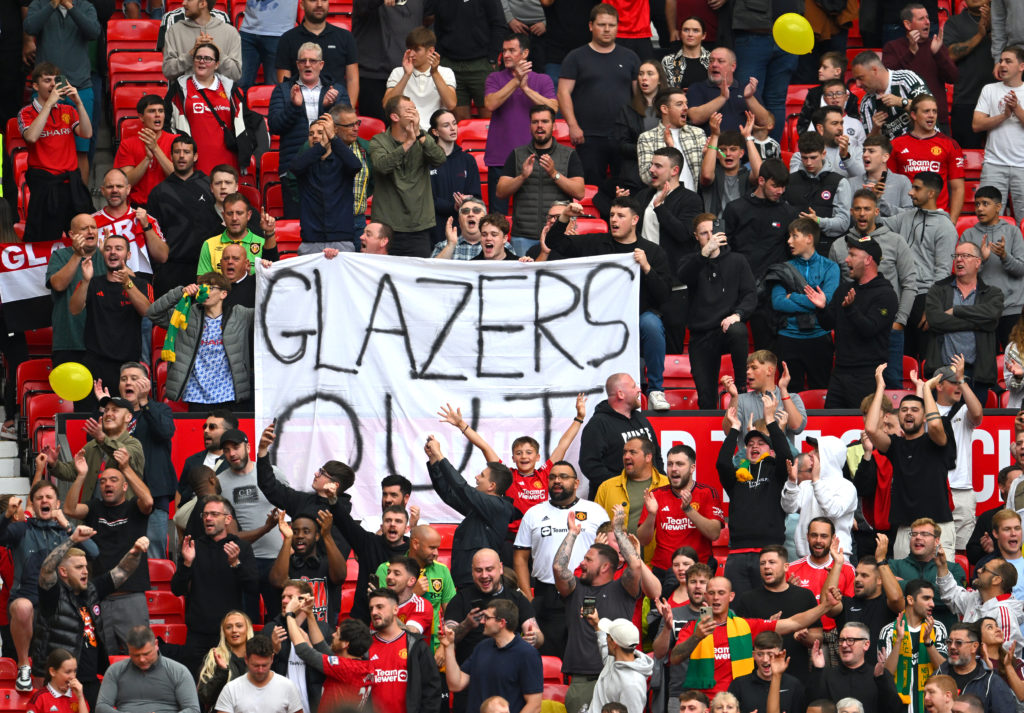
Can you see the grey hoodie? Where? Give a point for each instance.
(898, 266)
(831, 496)
(181, 38)
(624, 682)
(1006, 273)
(932, 238)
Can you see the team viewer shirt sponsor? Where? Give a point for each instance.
(390, 661)
(939, 154)
(673, 529)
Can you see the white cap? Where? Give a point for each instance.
(622, 631)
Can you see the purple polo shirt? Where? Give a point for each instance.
(510, 123)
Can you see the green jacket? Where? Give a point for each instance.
(909, 568)
(402, 197)
(99, 456)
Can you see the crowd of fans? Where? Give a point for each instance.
(840, 591)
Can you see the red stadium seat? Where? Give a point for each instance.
(677, 373)
(171, 633)
(288, 236)
(591, 225)
(135, 68)
(40, 341)
(369, 127)
(13, 139)
(561, 133)
(40, 410)
(270, 168)
(165, 608)
(973, 160)
(682, 399)
(813, 398)
(161, 389)
(966, 221)
(552, 669)
(8, 672)
(273, 200)
(258, 98)
(447, 532)
(1000, 377)
(340, 20)
(473, 134)
(555, 692)
(32, 370)
(348, 598)
(14, 700)
(910, 364)
(796, 95)
(1004, 400)
(160, 573)
(131, 35)
(253, 194)
(588, 200)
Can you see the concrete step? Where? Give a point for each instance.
(8, 449)
(14, 485)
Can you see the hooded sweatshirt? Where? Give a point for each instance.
(932, 238)
(832, 496)
(1007, 611)
(1002, 272)
(602, 440)
(898, 265)
(624, 682)
(181, 38)
(717, 286)
(756, 516)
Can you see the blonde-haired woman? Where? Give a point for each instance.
(225, 661)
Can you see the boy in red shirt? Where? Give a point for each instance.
(529, 483)
(49, 128)
(349, 675)
(145, 156)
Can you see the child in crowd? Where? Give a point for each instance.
(62, 692)
(529, 483)
(833, 66)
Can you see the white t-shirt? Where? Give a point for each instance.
(544, 526)
(297, 675)
(422, 90)
(960, 477)
(279, 695)
(1005, 145)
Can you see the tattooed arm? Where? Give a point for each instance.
(565, 580)
(48, 571)
(630, 579)
(129, 562)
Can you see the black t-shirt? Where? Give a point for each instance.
(111, 323)
(338, 44)
(117, 528)
(874, 613)
(88, 659)
(511, 170)
(315, 570)
(469, 597)
(761, 604)
(509, 255)
(919, 484)
(567, 28)
(962, 679)
(604, 83)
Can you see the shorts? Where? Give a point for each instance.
(470, 77)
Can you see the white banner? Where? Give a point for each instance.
(355, 355)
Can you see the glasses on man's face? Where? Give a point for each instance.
(957, 643)
(203, 59)
(307, 60)
(475, 210)
(487, 617)
(851, 640)
(214, 514)
(965, 256)
(352, 125)
(835, 95)
(922, 533)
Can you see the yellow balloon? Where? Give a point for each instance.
(793, 34)
(71, 381)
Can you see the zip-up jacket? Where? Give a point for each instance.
(968, 605)
(1006, 273)
(982, 318)
(758, 230)
(987, 685)
(801, 319)
(932, 238)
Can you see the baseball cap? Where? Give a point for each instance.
(947, 374)
(622, 631)
(754, 432)
(234, 435)
(117, 401)
(868, 245)
(812, 442)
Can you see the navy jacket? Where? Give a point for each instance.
(325, 192)
(290, 121)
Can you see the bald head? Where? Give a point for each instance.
(234, 262)
(487, 571)
(83, 228)
(83, 221)
(424, 543)
(623, 392)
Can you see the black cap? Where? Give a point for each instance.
(117, 401)
(812, 441)
(868, 245)
(754, 432)
(234, 435)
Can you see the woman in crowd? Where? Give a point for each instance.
(725, 702)
(208, 107)
(226, 661)
(637, 117)
(690, 64)
(62, 692)
(457, 178)
(1013, 365)
(999, 659)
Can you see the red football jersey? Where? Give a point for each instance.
(130, 154)
(673, 529)
(390, 662)
(812, 577)
(418, 612)
(54, 150)
(528, 490)
(126, 225)
(723, 659)
(348, 681)
(938, 153)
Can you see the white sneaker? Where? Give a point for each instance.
(24, 680)
(657, 401)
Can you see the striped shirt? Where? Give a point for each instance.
(904, 84)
